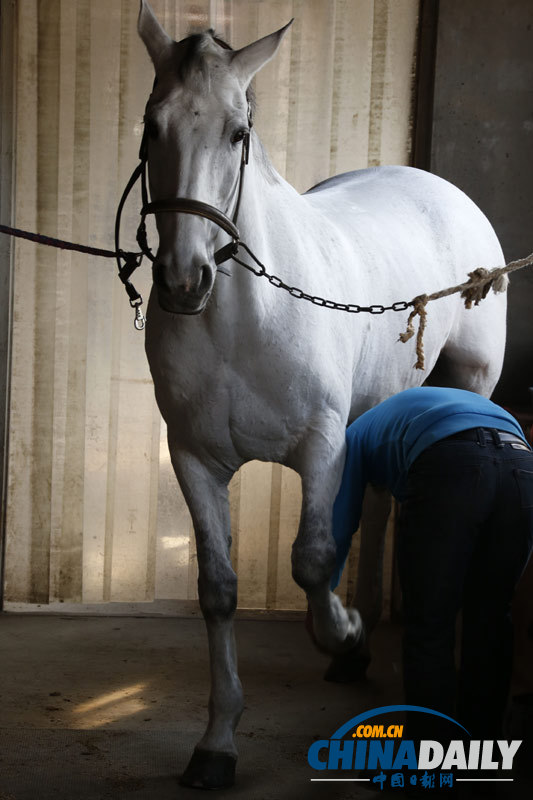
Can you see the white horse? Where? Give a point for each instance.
(244, 371)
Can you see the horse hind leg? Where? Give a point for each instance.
(472, 357)
(456, 370)
(213, 762)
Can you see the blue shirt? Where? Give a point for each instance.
(383, 443)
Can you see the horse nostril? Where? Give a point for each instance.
(196, 284)
(205, 279)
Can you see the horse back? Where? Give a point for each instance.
(407, 210)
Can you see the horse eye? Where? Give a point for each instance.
(239, 135)
(151, 128)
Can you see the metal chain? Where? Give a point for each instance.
(294, 291)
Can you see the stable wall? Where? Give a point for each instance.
(482, 140)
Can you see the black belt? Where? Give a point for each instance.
(484, 435)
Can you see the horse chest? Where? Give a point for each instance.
(238, 405)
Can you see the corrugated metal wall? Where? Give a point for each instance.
(94, 512)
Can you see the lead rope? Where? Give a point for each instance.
(473, 291)
(131, 260)
(480, 282)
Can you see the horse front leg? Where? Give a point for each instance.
(346, 668)
(335, 629)
(213, 762)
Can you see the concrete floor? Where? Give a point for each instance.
(97, 708)
(100, 708)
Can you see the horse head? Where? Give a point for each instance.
(196, 118)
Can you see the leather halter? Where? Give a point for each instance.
(186, 205)
(183, 205)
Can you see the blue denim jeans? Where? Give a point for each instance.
(465, 535)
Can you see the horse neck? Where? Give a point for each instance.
(270, 205)
(275, 222)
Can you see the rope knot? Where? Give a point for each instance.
(481, 281)
(419, 310)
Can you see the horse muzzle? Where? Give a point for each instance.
(188, 307)
(186, 296)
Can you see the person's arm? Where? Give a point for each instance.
(348, 504)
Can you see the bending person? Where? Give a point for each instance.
(463, 472)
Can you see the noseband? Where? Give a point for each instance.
(128, 263)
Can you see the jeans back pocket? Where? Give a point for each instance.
(524, 479)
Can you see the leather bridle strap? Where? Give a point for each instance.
(185, 205)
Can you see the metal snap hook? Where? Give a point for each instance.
(140, 320)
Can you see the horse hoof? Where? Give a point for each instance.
(348, 667)
(208, 769)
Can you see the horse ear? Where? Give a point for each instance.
(251, 58)
(155, 38)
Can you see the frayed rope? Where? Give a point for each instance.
(473, 291)
(419, 310)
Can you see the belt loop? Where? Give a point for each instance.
(496, 437)
(481, 437)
